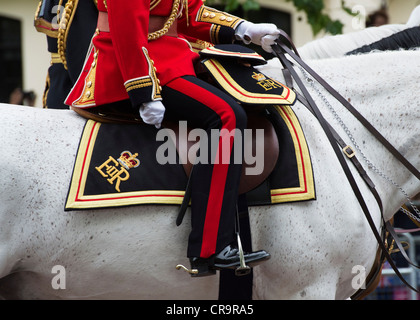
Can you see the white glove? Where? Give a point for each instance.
(152, 112)
(263, 34)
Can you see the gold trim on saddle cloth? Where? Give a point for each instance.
(198, 45)
(228, 83)
(215, 51)
(78, 200)
(78, 197)
(306, 189)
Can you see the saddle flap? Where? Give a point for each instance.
(233, 52)
(248, 85)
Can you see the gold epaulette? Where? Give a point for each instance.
(210, 15)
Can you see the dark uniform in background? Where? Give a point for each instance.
(67, 44)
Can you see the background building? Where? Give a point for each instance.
(23, 51)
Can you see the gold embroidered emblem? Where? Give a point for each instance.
(267, 84)
(117, 170)
(258, 76)
(129, 160)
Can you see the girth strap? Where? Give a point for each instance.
(279, 50)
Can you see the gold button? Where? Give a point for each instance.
(222, 18)
(93, 64)
(229, 19)
(89, 84)
(205, 14)
(212, 15)
(87, 94)
(95, 55)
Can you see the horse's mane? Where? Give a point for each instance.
(339, 45)
(405, 39)
(347, 64)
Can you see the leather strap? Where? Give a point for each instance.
(356, 113)
(279, 50)
(185, 200)
(352, 158)
(400, 247)
(373, 275)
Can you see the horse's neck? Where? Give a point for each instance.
(393, 181)
(383, 87)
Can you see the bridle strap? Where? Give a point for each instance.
(353, 158)
(381, 258)
(279, 50)
(356, 113)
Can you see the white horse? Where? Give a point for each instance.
(338, 45)
(131, 253)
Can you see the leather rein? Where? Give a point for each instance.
(280, 49)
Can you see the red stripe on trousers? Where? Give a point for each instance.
(220, 169)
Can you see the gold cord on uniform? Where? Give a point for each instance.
(64, 26)
(172, 17)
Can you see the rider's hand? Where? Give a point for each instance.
(152, 112)
(262, 34)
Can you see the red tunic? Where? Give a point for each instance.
(123, 63)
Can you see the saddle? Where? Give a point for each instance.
(230, 66)
(267, 103)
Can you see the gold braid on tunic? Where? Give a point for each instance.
(64, 27)
(68, 14)
(172, 17)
